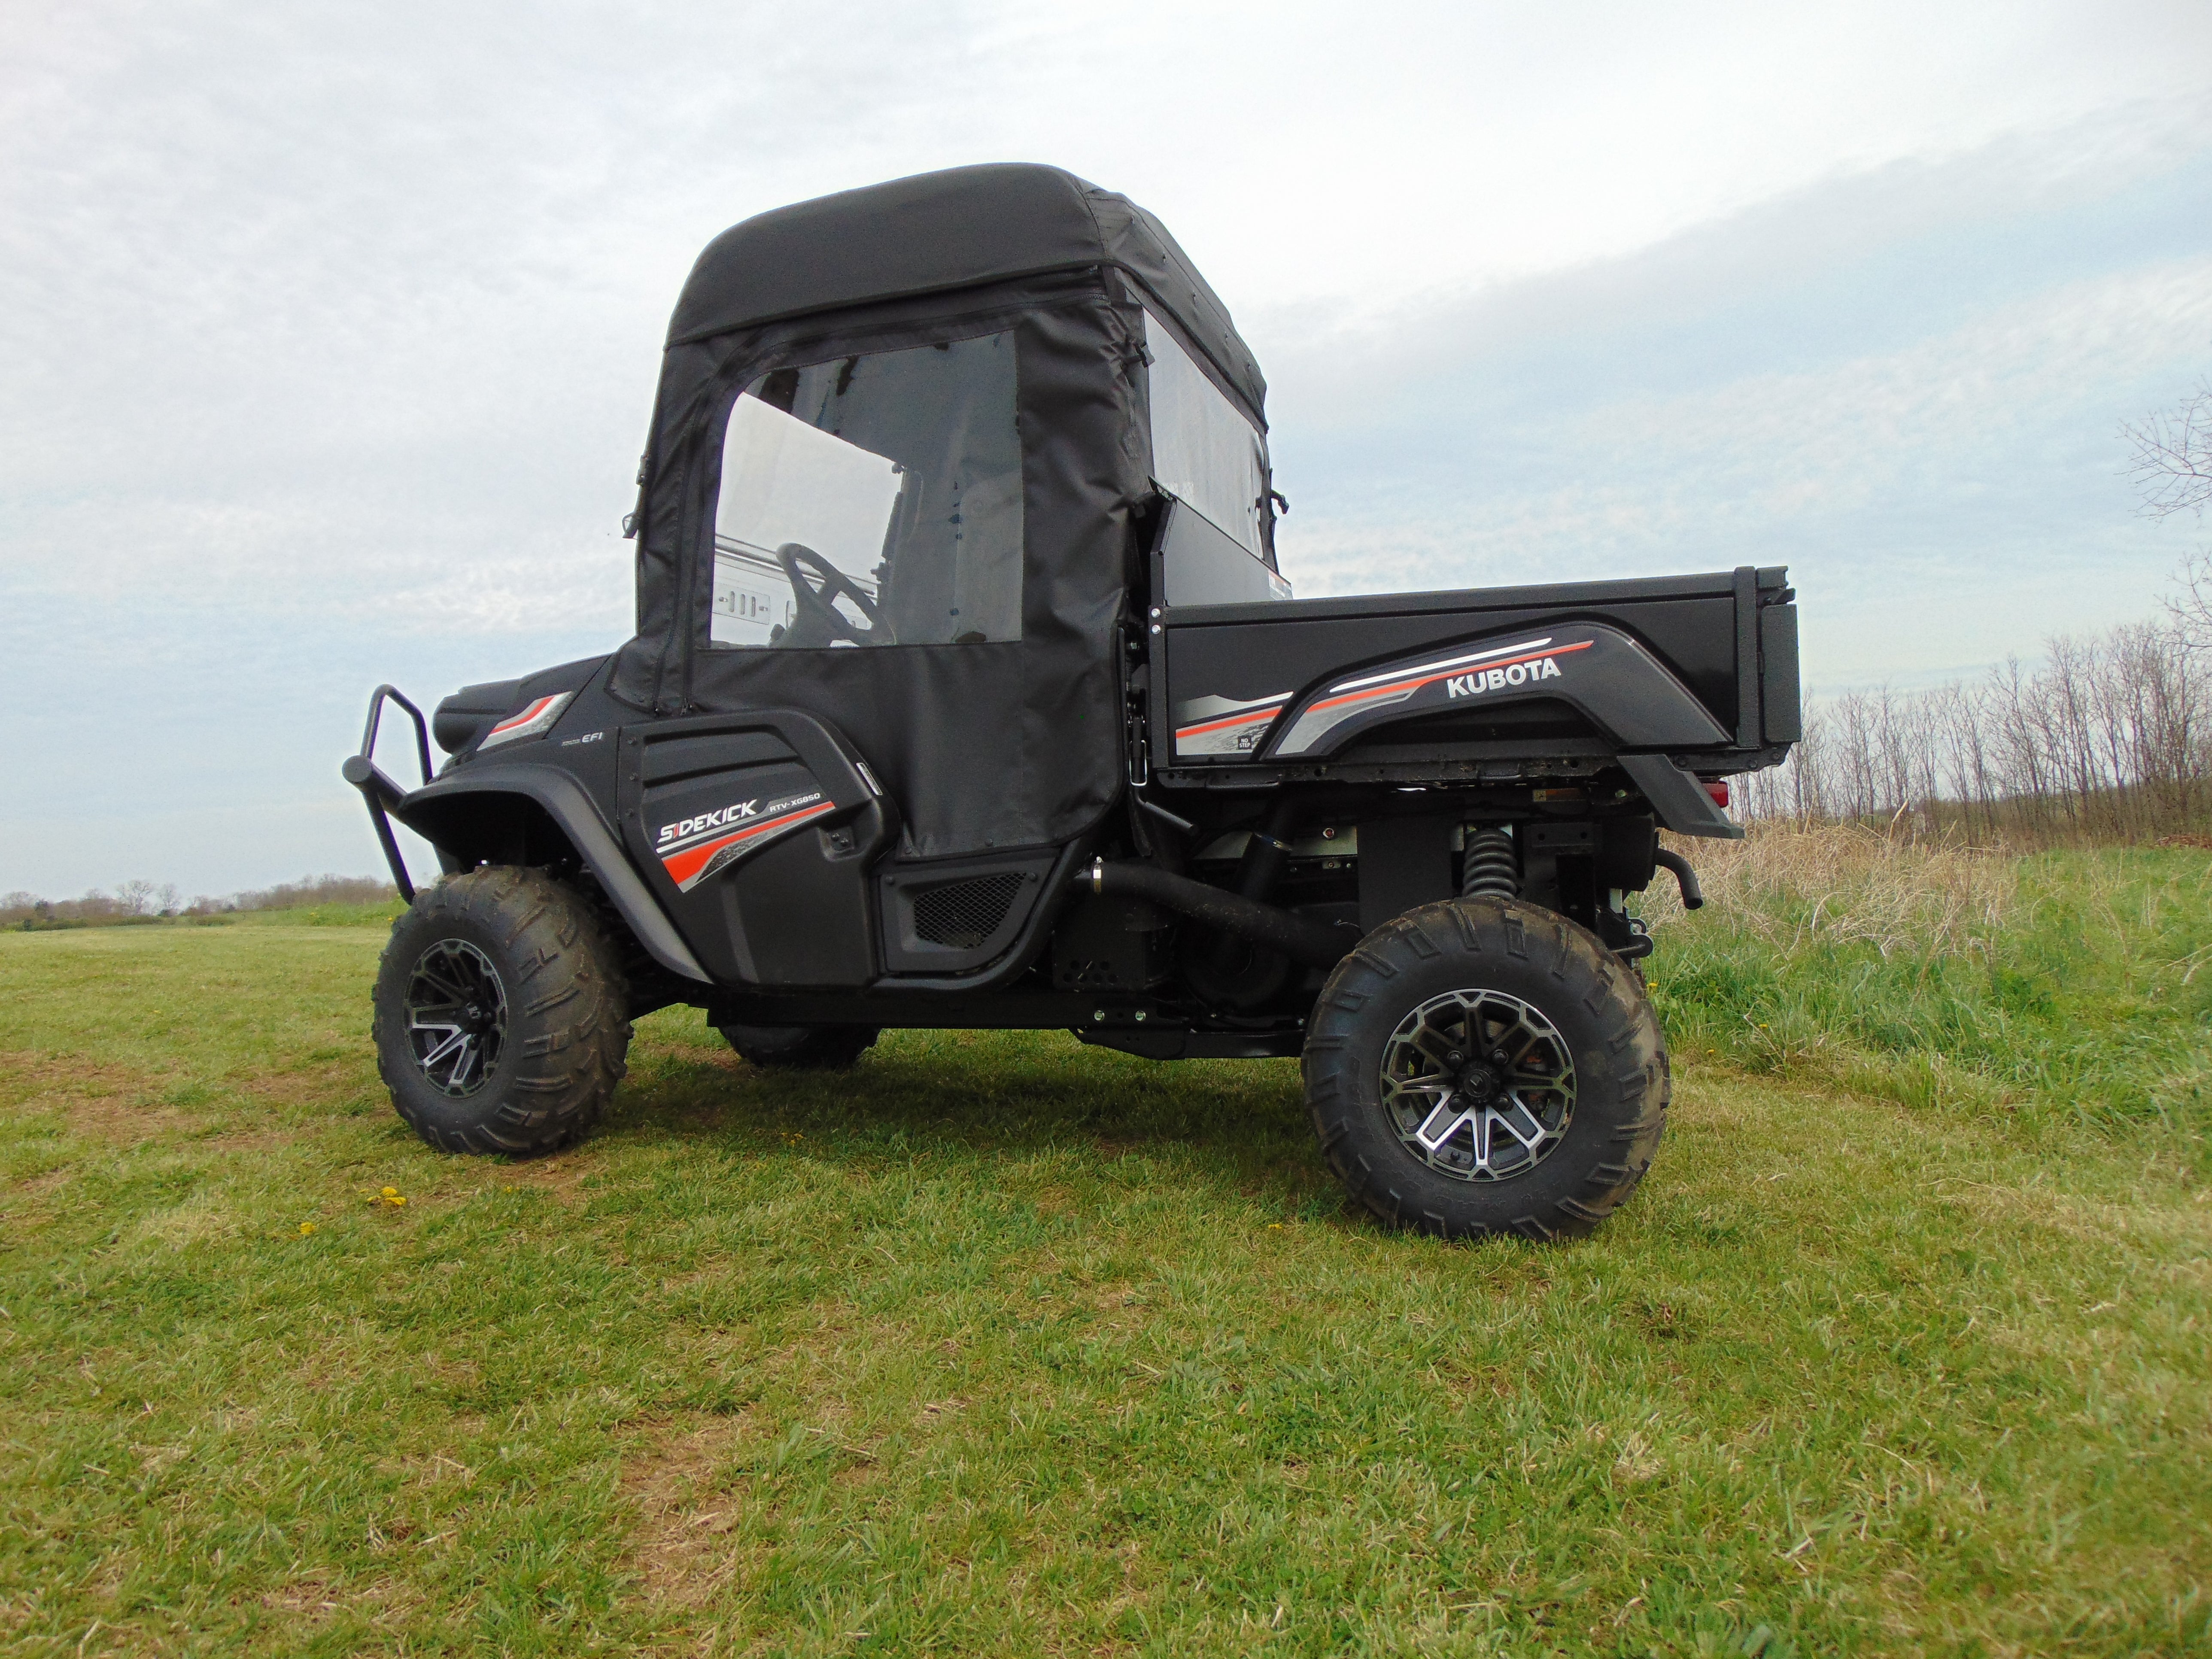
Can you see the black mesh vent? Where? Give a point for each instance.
(963, 913)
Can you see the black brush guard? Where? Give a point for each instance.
(377, 787)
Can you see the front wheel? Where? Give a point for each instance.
(500, 1014)
(1483, 1065)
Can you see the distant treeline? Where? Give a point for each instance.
(2108, 739)
(143, 902)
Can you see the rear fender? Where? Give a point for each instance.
(506, 813)
(1632, 698)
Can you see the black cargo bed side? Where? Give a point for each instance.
(1730, 636)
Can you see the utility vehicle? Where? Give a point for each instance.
(965, 691)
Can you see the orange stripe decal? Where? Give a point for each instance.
(1449, 674)
(683, 865)
(523, 718)
(1245, 719)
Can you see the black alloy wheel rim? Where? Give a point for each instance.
(456, 1017)
(1478, 1086)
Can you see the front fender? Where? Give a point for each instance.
(440, 812)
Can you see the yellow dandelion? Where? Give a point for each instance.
(306, 1228)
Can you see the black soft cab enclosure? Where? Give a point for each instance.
(966, 691)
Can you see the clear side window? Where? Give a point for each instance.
(1205, 453)
(873, 500)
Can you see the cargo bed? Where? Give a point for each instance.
(1557, 680)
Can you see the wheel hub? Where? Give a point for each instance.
(1478, 1086)
(456, 1010)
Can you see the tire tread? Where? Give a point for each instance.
(576, 1051)
(1498, 931)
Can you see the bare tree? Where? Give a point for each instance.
(2191, 608)
(2108, 737)
(2172, 466)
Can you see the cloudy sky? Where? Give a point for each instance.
(327, 334)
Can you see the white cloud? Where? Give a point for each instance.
(1921, 422)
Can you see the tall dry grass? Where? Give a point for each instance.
(1789, 884)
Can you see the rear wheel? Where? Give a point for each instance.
(1484, 1065)
(801, 1048)
(500, 1014)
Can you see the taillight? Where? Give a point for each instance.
(1719, 792)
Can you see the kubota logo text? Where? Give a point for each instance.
(1499, 679)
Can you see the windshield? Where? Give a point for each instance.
(1205, 453)
(873, 500)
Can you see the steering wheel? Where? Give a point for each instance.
(819, 622)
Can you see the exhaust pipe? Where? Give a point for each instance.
(1317, 943)
(1694, 897)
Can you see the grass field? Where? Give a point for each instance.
(1005, 1346)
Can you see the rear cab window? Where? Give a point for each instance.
(1213, 461)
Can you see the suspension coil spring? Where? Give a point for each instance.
(1493, 866)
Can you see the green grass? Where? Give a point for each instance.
(2085, 993)
(1005, 1346)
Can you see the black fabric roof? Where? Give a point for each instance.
(947, 230)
